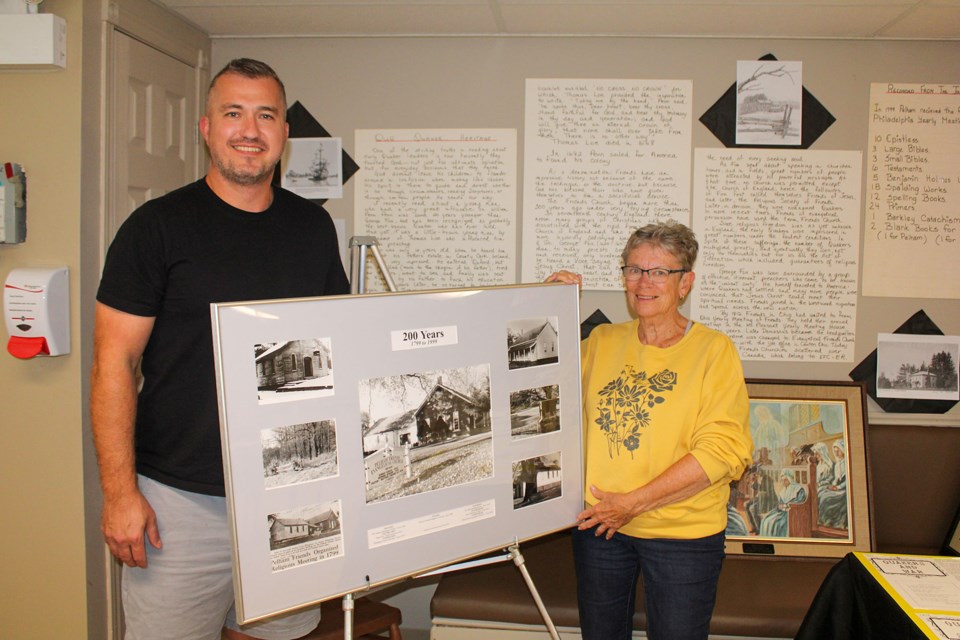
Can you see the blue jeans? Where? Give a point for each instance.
(679, 582)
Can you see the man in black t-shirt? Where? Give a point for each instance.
(230, 236)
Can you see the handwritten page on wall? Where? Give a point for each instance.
(779, 237)
(601, 158)
(911, 235)
(442, 205)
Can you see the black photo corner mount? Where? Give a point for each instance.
(721, 120)
(866, 372)
(595, 320)
(304, 125)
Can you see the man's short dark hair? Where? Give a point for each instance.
(253, 69)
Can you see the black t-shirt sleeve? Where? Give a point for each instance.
(134, 273)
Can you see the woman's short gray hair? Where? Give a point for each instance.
(671, 236)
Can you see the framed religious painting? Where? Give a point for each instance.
(806, 491)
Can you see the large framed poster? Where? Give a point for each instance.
(374, 437)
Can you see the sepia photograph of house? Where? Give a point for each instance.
(534, 411)
(922, 367)
(298, 453)
(536, 480)
(294, 370)
(532, 342)
(306, 535)
(425, 431)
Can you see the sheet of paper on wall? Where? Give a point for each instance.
(769, 102)
(920, 367)
(601, 158)
(442, 204)
(911, 233)
(779, 232)
(312, 168)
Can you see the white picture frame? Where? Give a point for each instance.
(362, 482)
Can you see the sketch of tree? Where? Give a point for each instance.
(761, 71)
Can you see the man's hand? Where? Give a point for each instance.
(124, 522)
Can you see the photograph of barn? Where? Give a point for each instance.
(536, 480)
(436, 424)
(299, 453)
(293, 370)
(532, 342)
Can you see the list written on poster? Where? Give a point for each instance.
(779, 233)
(601, 157)
(441, 205)
(911, 233)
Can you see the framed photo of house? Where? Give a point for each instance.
(370, 438)
(806, 492)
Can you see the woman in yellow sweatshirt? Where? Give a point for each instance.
(666, 428)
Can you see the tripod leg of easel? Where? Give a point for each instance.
(519, 561)
(359, 245)
(348, 617)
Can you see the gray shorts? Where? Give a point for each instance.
(186, 591)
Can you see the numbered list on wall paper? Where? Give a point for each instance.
(911, 245)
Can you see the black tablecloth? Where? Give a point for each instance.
(851, 604)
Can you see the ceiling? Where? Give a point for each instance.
(866, 19)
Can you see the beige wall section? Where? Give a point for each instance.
(362, 83)
(44, 579)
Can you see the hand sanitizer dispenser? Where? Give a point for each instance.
(36, 307)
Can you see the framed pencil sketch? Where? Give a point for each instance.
(370, 438)
(806, 492)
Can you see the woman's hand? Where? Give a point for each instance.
(611, 512)
(566, 277)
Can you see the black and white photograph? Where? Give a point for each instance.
(294, 370)
(769, 102)
(299, 453)
(425, 431)
(536, 480)
(534, 411)
(922, 367)
(305, 535)
(532, 342)
(312, 168)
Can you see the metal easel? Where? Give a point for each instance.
(513, 553)
(359, 245)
